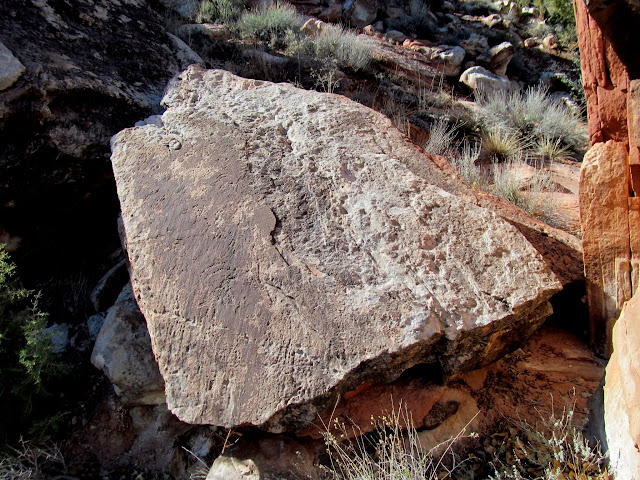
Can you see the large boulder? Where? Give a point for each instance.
(287, 246)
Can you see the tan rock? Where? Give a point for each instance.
(313, 27)
(271, 229)
(497, 58)
(622, 394)
(479, 78)
(550, 41)
(605, 231)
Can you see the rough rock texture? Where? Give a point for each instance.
(310, 238)
(123, 351)
(608, 33)
(497, 58)
(610, 185)
(270, 458)
(360, 13)
(479, 78)
(92, 68)
(622, 394)
(10, 68)
(605, 234)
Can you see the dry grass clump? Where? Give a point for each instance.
(512, 184)
(441, 137)
(501, 144)
(32, 462)
(533, 116)
(392, 453)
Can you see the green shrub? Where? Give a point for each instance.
(27, 362)
(270, 24)
(219, 11)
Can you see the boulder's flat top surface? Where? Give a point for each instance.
(286, 245)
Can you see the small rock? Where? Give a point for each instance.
(479, 78)
(550, 41)
(109, 286)
(475, 44)
(211, 31)
(362, 12)
(530, 12)
(379, 26)
(266, 458)
(448, 7)
(395, 36)
(10, 68)
(58, 334)
(497, 58)
(313, 27)
(531, 42)
(493, 21)
(123, 352)
(94, 324)
(184, 54)
(369, 30)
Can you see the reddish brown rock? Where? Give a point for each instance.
(622, 394)
(605, 231)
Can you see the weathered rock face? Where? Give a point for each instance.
(87, 70)
(622, 394)
(123, 351)
(271, 229)
(610, 183)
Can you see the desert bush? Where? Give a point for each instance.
(531, 115)
(271, 23)
(219, 11)
(27, 362)
(554, 450)
(501, 144)
(465, 162)
(337, 47)
(441, 137)
(32, 462)
(511, 184)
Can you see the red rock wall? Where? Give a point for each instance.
(609, 33)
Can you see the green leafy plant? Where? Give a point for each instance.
(27, 362)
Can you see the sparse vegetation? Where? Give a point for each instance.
(219, 11)
(270, 24)
(32, 462)
(336, 47)
(554, 450)
(530, 115)
(393, 452)
(27, 362)
(501, 144)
